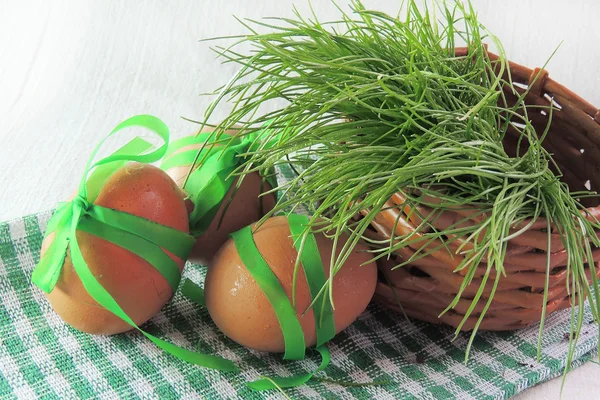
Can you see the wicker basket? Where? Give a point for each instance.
(427, 286)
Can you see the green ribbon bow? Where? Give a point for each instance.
(145, 238)
(207, 185)
(295, 348)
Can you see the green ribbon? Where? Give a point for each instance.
(145, 238)
(290, 325)
(293, 335)
(219, 158)
(193, 292)
(292, 381)
(315, 276)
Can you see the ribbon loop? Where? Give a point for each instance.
(130, 152)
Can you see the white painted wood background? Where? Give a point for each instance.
(71, 70)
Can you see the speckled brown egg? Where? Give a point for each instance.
(242, 311)
(139, 289)
(246, 206)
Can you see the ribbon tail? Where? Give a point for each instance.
(62, 214)
(47, 271)
(203, 360)
(193, 292)
(292, 381)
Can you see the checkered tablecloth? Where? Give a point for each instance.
(41, 357)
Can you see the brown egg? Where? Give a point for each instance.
(139, 289)
(246, 207)
(242, 311)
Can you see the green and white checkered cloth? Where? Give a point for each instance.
(42, 357)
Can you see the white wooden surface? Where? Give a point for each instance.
(71, 70)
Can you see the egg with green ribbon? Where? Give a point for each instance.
(202, 166)
(259, 296)
(112, 256)
(141, 290)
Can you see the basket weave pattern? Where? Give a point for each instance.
(426, 286)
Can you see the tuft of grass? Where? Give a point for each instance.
(374, 105)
